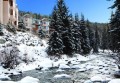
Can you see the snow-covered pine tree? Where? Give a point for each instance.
(104, 42)
(55, 43)
(115, 28)
(84, 40)
(68, 39)
(112, 35)
(66, 30)
(116, 3)
(90, 34)
(109, 36)
(77, 20)
(96, 40)
(68, 42)
(76, 34)
(54, 20)
(63, 15)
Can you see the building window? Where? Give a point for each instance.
(11, 12)
(15, 14)
(26, 24)
(11, 2)
(44, 22)
(26, 19)
(15, 22)
(44, 27)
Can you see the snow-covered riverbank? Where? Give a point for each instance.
(33, 49)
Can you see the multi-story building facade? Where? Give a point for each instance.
(9, 12)
(41, 24)
(45, 25)
(36, 24)
(27, 19)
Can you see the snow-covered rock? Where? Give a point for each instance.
(89, 67)
(29, 79)
(117, 74)
(4, 77)
(63, 66)
(7, 82)
(88, 81)
(96, 79)
(59, 70)
(115, 81)
(62, 76)
(82, 70)
(75, 67)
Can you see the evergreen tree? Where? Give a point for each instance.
(77, 21)
(63, 14)
(68, 42)
(109, 36)
(104, 43)
(77, 34)
(66, 27)
(96, 40)
(90, 34)
(115, 28)
(84, 40)
(61, 24)
(112, 35)
(116, 4)
(54, 20)
(55, 43)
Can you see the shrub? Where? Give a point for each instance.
(9, 57)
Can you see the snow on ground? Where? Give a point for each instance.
(97, 78)
(27, 79)
(115, 81)
(34, 48)
(7, 82)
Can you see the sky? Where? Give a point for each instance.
(94, 10)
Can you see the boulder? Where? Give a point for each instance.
(96, 79)
(63, 66)
(117, 74)
(115, 81)
(62, 76)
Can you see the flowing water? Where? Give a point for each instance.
(76, 76)
(47, 76)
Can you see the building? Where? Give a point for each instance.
(9, 12)
(41, 24)
(36, 25)
(45, 25)
(27, 19)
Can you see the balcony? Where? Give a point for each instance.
(12, 7)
